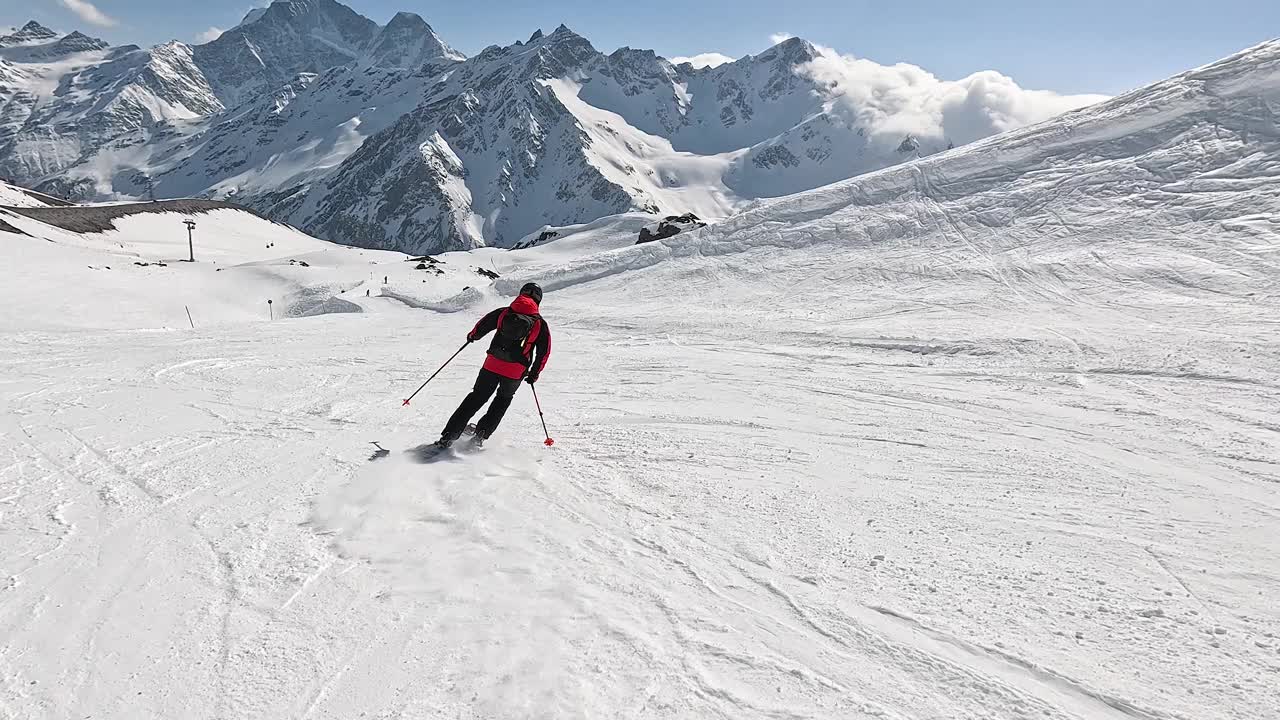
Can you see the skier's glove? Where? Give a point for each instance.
(470, 338)
(531, 378)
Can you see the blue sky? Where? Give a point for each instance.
(1075, 46)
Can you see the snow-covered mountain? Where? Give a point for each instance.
(275, 44)
(36, 43)
(1093, 197)
(553, 132)
(83, 120)
(73, 101)
(33, 33)
(386, 137)
(407, 42)
(299, 133)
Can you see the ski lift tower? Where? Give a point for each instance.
(191, 247)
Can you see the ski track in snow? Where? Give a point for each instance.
(685, 550)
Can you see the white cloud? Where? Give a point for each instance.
(781, 37)
(89, 13)
(711, 59)
(209, 35)
(891, 102)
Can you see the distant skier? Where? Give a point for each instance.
(519, 351)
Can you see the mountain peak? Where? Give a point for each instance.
(78, 42)
(324, 16)
(297, 8)
(41, 43)
(792, 51)
(34, 27)
(562, 35)
(272, 45)
(798, 47)
(627, 51)
(252, 17)
(408, 42)
(408, 18)
(31, 32)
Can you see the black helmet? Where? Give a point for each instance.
(533, 291)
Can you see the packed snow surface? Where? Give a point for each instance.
(989, 435)
(12, 196)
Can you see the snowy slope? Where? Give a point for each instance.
(1037, 375)
(573, 242)
(13, 196)
(293, 137)
(992, 434)
(133, 260)
(1198, 151)
(647, 166)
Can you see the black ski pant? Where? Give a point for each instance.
(487, 383)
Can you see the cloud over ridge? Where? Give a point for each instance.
(892, 101)
(708, 59)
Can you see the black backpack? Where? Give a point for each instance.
(513, 337)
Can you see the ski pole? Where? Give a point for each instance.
(548, 442)
(433, 375)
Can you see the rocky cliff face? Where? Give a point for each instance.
(270, 47)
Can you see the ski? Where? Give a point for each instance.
(429, 452)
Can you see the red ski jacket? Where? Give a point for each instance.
(522, 344)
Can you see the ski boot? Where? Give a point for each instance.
(447, 440)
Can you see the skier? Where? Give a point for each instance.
(519, 351)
